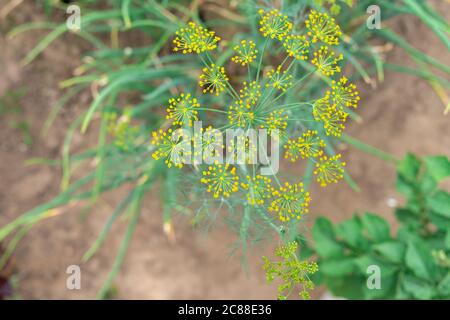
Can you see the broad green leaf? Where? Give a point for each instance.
(392, 251)
(438, 166)
(350, 287)
(409, 167)
(387, 289)
(417, 288)
(428, 183)
(337, 267)
(419, 260)
(405, 186)
(441, 222)
(408, 218)
(325, 240)
(440, 203)
(444, 286)
(365, 261)
(377, 228)
(447, 240)
(351, 232)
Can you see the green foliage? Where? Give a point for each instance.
(414, 263)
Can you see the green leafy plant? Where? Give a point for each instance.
(413, 263)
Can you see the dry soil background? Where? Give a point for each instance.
(402, 114)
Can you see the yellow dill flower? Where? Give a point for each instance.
(213, 79)
(124, 133)
(171, 147)
(335, 8)
(321, 107)
(329, 170)
(251, 92)
(274, 25)
(241, 114)
(258, 189)
(245, 53)
(279, 79)
(306, 146)
(183, 109)
(221, 180)
(195, 39)
(326, 61)
(323, 27)
(244, 148)
(276, 120)
(290, 201)
(291, 271)
(208, 142)
(297, 46)
(334, 121)
(344, 94)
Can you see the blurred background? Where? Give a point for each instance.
(402, 114)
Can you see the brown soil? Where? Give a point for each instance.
(403, 114)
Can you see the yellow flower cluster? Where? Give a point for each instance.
(309, 145)
(183, 109)
(274, 25)
(326, 61)
(124, 133)
(344, 94)
(290, 271)
(245, 53)
(323, 27)
(221, 180)
(250, 92)
(195, 39)
(329, 170)
(259, 189)
(276, 120)
(255, 106)
(213, 79)
(290, 201)
(241, 114)
(279, 79)
(297, 46)
(171, 146)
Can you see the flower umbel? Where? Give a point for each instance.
(291, 271)
(245, 53)
(274, 24)
(173, 146)
(195, 39)
(329, 170)
(323, 27)
(213, 79)
(221, 180)
(290, 201)
(183, 109)
(241, 114)
(326, 61)
(276, 120)
(297, 46)
(334, 121)
(306, 146)
(251, 92)
(279, 79)
(344, 94)
(258, 189)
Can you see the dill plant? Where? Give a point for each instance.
(311, 118)
(258, 100)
